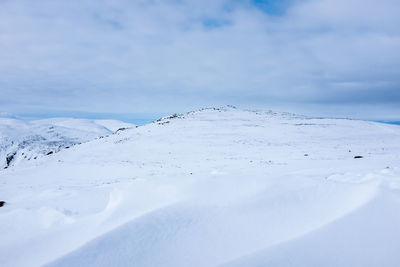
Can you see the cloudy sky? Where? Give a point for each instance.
(124, 58)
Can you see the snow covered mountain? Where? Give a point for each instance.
(216, 187)
(27, 140)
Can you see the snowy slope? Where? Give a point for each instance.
(214, 187)
(26, 140)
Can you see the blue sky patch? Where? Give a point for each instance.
(272, 7)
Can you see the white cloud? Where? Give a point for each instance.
(154, 56)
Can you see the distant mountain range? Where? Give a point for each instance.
(22, 140)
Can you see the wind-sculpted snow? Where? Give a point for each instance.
(367, 237)
(208, 188)
(27, 140)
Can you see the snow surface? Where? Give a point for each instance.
(22, 140)
(216, 187)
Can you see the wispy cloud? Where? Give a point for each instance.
(161, 56)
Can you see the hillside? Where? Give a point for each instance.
(25, 140)
(214, 187)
